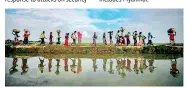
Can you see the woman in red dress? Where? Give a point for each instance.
(67, 39)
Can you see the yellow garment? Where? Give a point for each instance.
(42, 35)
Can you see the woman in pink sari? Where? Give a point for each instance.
(79, 37)
(66, 39)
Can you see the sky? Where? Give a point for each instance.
(88, 21)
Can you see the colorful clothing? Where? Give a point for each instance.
(51, 39)
(66, 41)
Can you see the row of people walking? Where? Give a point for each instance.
(121, 38)
(122, 66)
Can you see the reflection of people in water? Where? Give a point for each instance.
(151, 67)
(57, 69)
(73, 66)
(123, 73)
(145, 65)
(136, 66)
(49, 64)
(118, 67)
(79, 68)
(41, 65)
(123, 65)
(24, 66)
(13, 69)
(111, 65)
(174, 71)
(141, 65)
(128, 67)
(104, 64)
(94, 64)
(66, 64)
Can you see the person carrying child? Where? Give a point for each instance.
(50, 38)
(94, 39)
(26, 36)
(135, 38)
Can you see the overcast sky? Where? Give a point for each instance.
(87, 21)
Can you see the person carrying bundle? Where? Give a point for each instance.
(110, 35)
(172, 34)
(26, 36)
(15, 32)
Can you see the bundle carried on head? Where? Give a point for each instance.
(110, 32)
(122, 29)
(58, 31)
(26, 30)
(67, 34)
(171, 30)
(16, 30)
